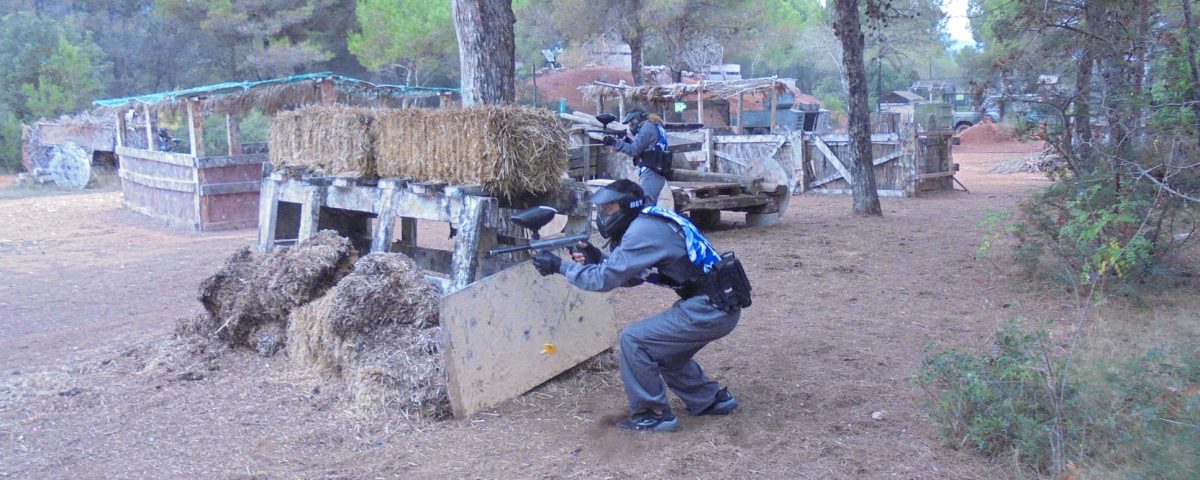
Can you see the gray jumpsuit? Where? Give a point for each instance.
(651, 182)
(657, 348)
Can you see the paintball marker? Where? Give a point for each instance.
(605, 119)
(534, 219)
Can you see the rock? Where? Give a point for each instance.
(877, 415)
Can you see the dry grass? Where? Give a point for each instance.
(326, 140)
(377, 333)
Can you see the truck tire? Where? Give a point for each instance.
(962, 126)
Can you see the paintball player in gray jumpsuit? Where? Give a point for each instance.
(650, 244)
(648, 148)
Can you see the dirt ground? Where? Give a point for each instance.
(844, 310)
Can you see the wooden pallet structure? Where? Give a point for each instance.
(497, 313)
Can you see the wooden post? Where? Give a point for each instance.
(700, 104)
(268, 211)
(385, 221)
(233, 133)
(121, 126)
(150, 140)
(774, 96)
(709, 159)
(328, 93)
(195, 127)
(310, 213)
(741, 128)
(465, 264)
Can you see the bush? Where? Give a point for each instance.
(1007, 403)
(1085, 231)
(1137, 417)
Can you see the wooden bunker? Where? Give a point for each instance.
(207, 191)
(497, 312)
(721, 168)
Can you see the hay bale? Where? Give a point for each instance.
(509, 150)
(248, 300)
(323, 140)
(376, 333)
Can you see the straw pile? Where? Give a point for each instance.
(377, 332)
(508, 150)
(324, 140)
(248, 300)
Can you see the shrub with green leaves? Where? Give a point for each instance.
(1138, 418)
(1008, 403)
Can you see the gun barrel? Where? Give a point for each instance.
(546, 244)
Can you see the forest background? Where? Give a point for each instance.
(57, 56)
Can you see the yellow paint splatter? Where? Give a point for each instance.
(549, 349)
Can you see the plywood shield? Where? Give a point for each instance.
(514, 330)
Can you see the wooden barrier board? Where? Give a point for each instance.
(514, 330)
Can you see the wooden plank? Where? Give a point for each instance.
(700, 103)
(157, 182)
(381, 238)
(847, 191)
(729, 157)
(727, 202)
(233, 133)
(749, 184)
(231, 160)
(495, 332)
(875, 137)
(748, 138)
(268, 210)
(180, 159)
(832, 159)
(771, 126)
(467, 243)
(121, 127)
(195, 119)
(310, 213)
(151, 140)
(228, 188)
(930, 176)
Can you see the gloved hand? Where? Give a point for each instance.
(610, 140)
(587, 254)
(546, 263)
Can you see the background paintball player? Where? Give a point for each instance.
(648, 148)
(650, 244)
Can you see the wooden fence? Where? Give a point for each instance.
(200, 193)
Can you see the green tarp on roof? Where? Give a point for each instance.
(229, 92)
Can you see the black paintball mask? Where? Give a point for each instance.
(634, 120)
(631, 199)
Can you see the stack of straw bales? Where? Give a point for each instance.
(509, 150)
(325, 140)
(377, 333)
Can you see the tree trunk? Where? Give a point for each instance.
(1083, 97)
(1190, 31)
(636, 39)
(486, 50)
(848, 29)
